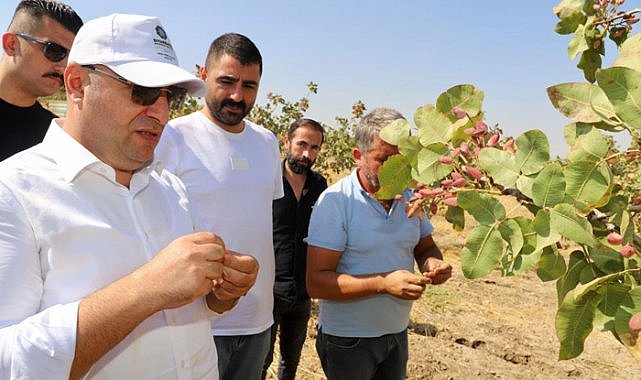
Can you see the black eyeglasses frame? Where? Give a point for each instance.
(52, 51)
(146, 96)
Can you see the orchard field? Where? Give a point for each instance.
(491, 328)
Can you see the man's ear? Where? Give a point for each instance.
(202, 72)
(9, 44)
(357, 154)
(76, 79)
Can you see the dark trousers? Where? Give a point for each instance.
(290, 319)
(380, 358)
(241, 357)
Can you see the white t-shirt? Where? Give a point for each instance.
(231, 181)
(68, 229)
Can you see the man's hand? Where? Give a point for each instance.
(184, 270)
(404, 284)
(437, 270)
(239, 275)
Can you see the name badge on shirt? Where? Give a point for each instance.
(239, 163)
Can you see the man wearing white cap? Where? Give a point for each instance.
(101, 273)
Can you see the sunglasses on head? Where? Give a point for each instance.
(146, 96)
(52, 51)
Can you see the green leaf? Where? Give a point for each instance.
(582, 102)
(572, 131)
(545, 234)
(587, 182)
(629, 306)
(586, 290)
(578, 43)
(394, 176)
(567, 8)
(533, 151)
(572, 277)
(606, 259)
(574, 323)
(456, 216)
(464, 96)
(614, 295)
(551, 264)
(527, 256)
(484, 208)
(548, 188)
(592, 146)
(626, 227)
(458, 131)
(524, 184)
(428, 168)
(482, 251)
(588, 7)
(630, 53)
(433, 126)
(622, 86)
(410, 147)
(512, 234)
(590, 62)
(395, 131)
(569, 24)
(500, 165)
(565, 221)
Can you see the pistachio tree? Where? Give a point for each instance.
(457, 162)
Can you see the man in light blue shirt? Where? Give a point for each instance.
(361, 254)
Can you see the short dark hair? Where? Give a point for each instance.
(305, 122)
(237, 46)
(36, 9)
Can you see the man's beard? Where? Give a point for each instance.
(372, 179)
(300, 164)
(227, 118)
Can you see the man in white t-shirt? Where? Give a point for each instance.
(101, 273)
(231, 169)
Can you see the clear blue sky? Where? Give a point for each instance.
(395, 53)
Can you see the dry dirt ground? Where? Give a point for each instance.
(490, 328)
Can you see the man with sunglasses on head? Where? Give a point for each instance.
(101, 273)
(35, 47)
(231, 168)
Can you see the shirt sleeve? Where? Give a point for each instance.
(327, 226)
(34, 344)
(426, 227)
(278, 176)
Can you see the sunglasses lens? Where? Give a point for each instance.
(146, 96)
(55, 52)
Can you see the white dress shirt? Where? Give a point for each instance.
(67, 229)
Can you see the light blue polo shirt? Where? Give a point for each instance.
(347, 219)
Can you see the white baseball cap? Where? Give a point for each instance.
(136, 48)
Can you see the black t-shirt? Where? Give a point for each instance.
(291, 221)
(22, 127)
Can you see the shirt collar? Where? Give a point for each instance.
(353, 177)
(73, 158)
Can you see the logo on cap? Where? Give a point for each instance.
(161, 32)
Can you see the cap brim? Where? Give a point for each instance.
(159, 74)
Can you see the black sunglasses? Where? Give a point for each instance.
(146, 96)
(52, 51)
